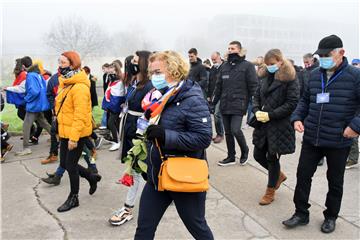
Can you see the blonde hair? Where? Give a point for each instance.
(176, 66)
(274, 53)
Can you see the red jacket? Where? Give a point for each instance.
(20, 78)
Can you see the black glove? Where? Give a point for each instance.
(155, 132)
(147, 114)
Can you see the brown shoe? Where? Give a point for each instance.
(282, 178)
(51, 158)
(218, 139)
(268, 197)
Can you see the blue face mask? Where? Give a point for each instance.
(159, 81)
(327, 62)
(272, 68)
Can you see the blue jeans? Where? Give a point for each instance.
(104, 120)
(219, 127)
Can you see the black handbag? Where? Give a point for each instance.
(54, 123)
(253, 122)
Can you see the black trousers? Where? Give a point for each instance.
(113, 125)
(309, 158)
(54, 146)
(232, 126)
(271, 162)
(190, 207)
(69, 161)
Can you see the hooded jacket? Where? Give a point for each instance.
(74, 118)
(277, 94)
(236, 84)
(35, 91)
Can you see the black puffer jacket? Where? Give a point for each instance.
(278, 95)
(199, 74)
(304, 76)
(236, 84)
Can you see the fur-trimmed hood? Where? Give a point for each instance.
(285, 73)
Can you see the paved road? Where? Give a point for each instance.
(29, 205)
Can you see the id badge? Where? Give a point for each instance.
(323, 98)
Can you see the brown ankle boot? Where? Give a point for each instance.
(51, 158)
(268, 197)
(282, 178)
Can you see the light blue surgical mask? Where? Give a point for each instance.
(159, 81)
(272, 68)
(327, 62)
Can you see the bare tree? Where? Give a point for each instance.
(78, 35)
(135, 38)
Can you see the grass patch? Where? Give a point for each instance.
(9, 115)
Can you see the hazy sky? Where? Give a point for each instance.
(25, 22)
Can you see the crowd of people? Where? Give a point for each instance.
(157, 106)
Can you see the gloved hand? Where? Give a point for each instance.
(262, 116)
(147, 114)
(155, 132)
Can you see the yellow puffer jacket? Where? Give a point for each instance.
(74, 118)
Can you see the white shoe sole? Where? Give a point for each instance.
(226, 164)
(244, 163)
(128, 218)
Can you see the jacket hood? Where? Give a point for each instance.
(34, 68)
(80, 77)
(286, 72)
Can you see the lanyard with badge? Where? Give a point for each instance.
(324, 97)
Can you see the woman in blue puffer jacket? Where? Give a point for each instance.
(184, 129)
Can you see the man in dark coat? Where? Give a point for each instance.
(213, 76)
(326, 114)
(237, 83)
(198, 72)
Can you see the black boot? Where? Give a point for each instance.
(71, 202)
(52, 180)
(244, 155)
(93, 183)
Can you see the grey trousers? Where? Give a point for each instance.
(354, 151)
(30, 118)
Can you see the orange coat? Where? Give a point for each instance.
(74, 118)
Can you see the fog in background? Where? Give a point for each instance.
(294, 26)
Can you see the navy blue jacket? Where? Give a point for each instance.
(187, 123)
(325, 122)
(51, 89)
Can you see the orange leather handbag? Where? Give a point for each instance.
(183, 174)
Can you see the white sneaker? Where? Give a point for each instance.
(102, 127)
(120, 217)
(24, 152)
(114, 147)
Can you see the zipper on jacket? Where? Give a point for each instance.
(318, 130)
(152, 169)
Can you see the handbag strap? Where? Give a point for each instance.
(62, 102)
(160, 152)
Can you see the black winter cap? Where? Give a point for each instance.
(328, 44)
